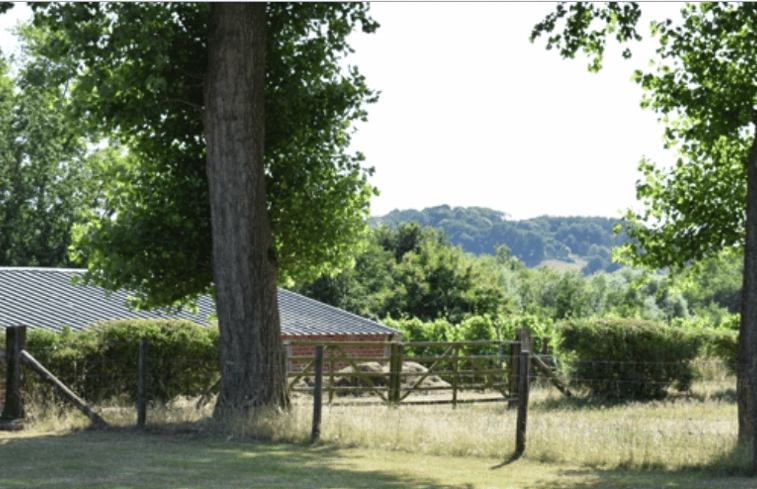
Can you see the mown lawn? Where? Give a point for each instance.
(189, 458)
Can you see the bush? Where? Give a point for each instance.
(101, 364)
(630, 358)
(723, 344)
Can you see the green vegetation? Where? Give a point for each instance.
(100, 364)
(414, 272)
(630, 359)
(45, 182)
(480, 231)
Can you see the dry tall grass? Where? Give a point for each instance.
(696, 430)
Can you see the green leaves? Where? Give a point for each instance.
(139, 77)
(44, 183)
(703, 86)
(578, 34)
(630, 359)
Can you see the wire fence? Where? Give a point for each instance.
(692, 424)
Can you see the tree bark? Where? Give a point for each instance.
(746, 379)
(253, 371)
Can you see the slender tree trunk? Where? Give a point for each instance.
(746, 387)
(253, 372)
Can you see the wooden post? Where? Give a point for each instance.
(64, 391)
(395, 372)
(15, 342)
(526, 338)
(520, 424)
(317, 394)
(455, 380)
(331, 375)
(515, 349)
(141, 380)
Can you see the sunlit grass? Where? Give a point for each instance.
(697, 429)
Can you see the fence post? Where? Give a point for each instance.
(515, 349)
(395, 371)
(520, 424)
(331, 375)
(455, 380)
(317, 394)
(15, 342)
(141, 379)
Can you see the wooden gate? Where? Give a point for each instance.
(485, 366)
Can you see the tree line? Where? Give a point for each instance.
(480, 230)
(413, 271)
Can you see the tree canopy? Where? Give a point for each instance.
(156, 237)
(45, 185)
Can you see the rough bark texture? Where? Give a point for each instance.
(253, 370)
(747, 356)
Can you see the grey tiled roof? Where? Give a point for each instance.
(45, 298)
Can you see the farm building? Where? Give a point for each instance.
(46, 298)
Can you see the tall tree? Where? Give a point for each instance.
(244, 261)
(45, 186)
(181, 86)
(156, 239)
(704, 86)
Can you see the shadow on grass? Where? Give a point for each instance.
(185, 457)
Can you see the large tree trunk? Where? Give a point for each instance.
(746, 387)
(253, 371)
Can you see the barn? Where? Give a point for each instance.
(46, 298)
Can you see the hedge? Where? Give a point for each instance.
(101, 364)
(629, 358)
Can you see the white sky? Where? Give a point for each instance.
(472, 114)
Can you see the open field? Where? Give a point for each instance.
(686, 442)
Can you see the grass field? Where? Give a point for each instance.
(684, 442)
(125, 458)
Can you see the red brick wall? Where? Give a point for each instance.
(368, 352)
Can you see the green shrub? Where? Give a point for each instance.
(100, 364)
(630, 358)
(723, 343)
(540, 328)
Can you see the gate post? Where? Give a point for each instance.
(317, 395)
(395, 371)
(15, 341)
(515, 349)
(520, 424)
(141, 380)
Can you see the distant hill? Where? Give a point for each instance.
(584, 242)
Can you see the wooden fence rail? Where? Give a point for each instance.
(456, 364)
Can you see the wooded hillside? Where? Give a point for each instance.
(479, 230)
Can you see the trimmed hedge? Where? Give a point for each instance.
(629, 358)
(101, 364)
